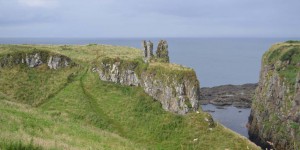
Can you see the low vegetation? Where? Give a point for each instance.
(70, 108)
(286, 57)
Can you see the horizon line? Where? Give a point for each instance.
(146, 37)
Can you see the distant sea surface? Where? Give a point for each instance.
(217, 61)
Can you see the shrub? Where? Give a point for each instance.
(292, 41)
(5, 145)
(289, 54)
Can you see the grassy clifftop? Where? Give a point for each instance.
(82, 53)
(70, 108)
(286, 59)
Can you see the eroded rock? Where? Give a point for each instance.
(35, 59)
(176, 95)
(274, 119)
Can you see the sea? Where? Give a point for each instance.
(216, 61)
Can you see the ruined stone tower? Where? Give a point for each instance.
(148, 50)
(162, 52)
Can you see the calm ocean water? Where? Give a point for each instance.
(231, 117)
(217, 61)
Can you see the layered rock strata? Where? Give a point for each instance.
(176, 89)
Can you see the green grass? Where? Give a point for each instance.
(33, 85)
(283, 61)
(82, 53)
(286, 59)
(70, 108)
(291, 41)
(7, 145)
(90, 112)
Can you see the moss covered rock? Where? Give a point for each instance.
(274, 120)
(175, 86)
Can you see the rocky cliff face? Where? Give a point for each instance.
(34, 59)
(275, 116)
(176, 88)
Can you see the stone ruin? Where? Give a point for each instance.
(148, 50)
(162, 53)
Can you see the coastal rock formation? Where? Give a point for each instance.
(114, 73)
(175, 87)
(35, 59)
(236, 95)
(274, 121)
(58, 61)
(178, 96)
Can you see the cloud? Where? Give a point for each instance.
(115, 18)
(24, 12)
(39, 3)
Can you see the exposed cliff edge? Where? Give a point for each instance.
(275, 116)
(34, 59)
(174, 86)
(39, 105)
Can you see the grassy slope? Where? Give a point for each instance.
(86, 113)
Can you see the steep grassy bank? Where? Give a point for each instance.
(59, 111)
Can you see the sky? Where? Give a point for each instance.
(149, 18)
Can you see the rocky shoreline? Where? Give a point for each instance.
(239, 96)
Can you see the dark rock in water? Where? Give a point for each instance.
(239, 96)
(210, 111)
(220, 107)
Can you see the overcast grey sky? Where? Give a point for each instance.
(149, 18)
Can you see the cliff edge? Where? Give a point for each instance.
(174, 86)
(50, 93)
(275, 117)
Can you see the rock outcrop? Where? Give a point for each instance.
(274, 121)
(35, 59)
(175, 87)
(237, 95)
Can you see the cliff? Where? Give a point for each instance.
(174, 86)
(275, 116)
(71, 108)
(35, 58)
